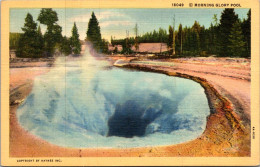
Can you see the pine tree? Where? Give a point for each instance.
(236, 41)
(115, 50)
(104, 46)
(75, 42)
(213, 33)
(14, 39)
(66, 46)
(93, 32)
(215, 20)
(28, 45)
(170, 40)
(52, 37)
(202, 41)
(112, 41)
(39, 43)
(136, 44)
(39, 31)
(196, 29)
(228, 18)
(246, 28)
(179, 40)
(215, 37)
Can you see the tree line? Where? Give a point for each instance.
(227, 37)
(33, 44)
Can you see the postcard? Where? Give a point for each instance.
(102, 83)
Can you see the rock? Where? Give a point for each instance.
(17, 102)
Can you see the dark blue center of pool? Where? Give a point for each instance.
(129, 120)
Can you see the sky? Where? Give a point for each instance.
(115, 22)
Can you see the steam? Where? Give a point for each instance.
(80, 103)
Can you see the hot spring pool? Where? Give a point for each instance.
(81, 103)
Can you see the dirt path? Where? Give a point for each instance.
(227, 132)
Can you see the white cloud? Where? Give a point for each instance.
(116, 23)
(83, 18)
(101, 16)
(110, 15)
